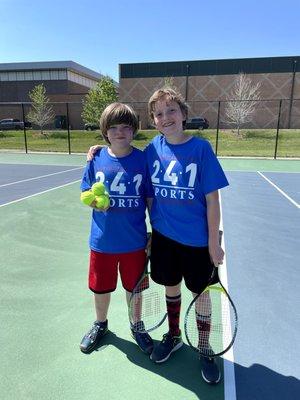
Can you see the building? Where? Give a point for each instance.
(206, 83)
(65, 82)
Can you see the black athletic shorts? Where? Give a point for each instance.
(171, 261)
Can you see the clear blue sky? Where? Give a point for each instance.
(100, 34)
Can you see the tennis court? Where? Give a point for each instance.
(46, 306)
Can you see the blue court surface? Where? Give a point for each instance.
(45, 306)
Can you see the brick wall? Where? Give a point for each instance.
(204, 92)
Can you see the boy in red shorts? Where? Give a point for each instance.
(118, 236)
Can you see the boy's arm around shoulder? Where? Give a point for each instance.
(93, 150)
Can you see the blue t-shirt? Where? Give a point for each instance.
(122, 228)
(181, 176)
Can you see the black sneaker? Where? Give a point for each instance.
(142, 338)
(92, 339)
(209, 370)
(166, 347)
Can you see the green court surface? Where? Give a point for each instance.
(42, 158)
(46, 307)
(258, 164)
(229, 164)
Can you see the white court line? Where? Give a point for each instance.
(272, 172)
(228, 358)
(279, 190)
(40, 177)
(36, 194)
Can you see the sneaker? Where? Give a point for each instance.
(143, 339)
(92, 339)
(209, 370)
(166, 347)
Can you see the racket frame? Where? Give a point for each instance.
(234, 317)
(136, 291)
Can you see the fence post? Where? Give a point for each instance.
(277, 133)
(187, 82)
(218, 123)
(24, 128)
(292, 93)
(68, 126)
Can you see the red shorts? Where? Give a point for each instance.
(103, 273)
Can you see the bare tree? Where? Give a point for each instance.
(242, 101)
(41, 112)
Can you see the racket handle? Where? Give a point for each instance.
(220, 236)
(148, 245)
(215, 271)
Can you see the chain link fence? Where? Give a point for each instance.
(272, 130)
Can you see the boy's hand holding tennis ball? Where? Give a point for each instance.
(97, 197)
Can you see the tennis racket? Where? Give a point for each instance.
(211, 320)
(147, 306)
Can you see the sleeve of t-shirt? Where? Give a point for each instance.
(212, 174)
(88, 177)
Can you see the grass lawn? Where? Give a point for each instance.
(253, 143)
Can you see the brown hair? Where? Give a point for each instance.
(115, 114)
(170, 95)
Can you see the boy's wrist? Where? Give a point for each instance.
(213, 239)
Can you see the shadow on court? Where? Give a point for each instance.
(261, 383)
(183, 368)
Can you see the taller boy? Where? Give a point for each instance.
(185, 214)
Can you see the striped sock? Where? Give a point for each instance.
(173, 310)
(203, 325)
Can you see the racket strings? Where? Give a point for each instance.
(147, 306)
(203, 323)
(209, 325)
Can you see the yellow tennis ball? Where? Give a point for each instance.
(87, 197)
(98, 188)
(102, 201)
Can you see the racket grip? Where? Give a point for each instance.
(148, 245)
(220, 236)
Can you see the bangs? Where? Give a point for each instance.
(117, 114)
(121, 115)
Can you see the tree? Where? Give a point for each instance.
(169, 83)
(242, 101)
(97, 99)
(41, 112)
